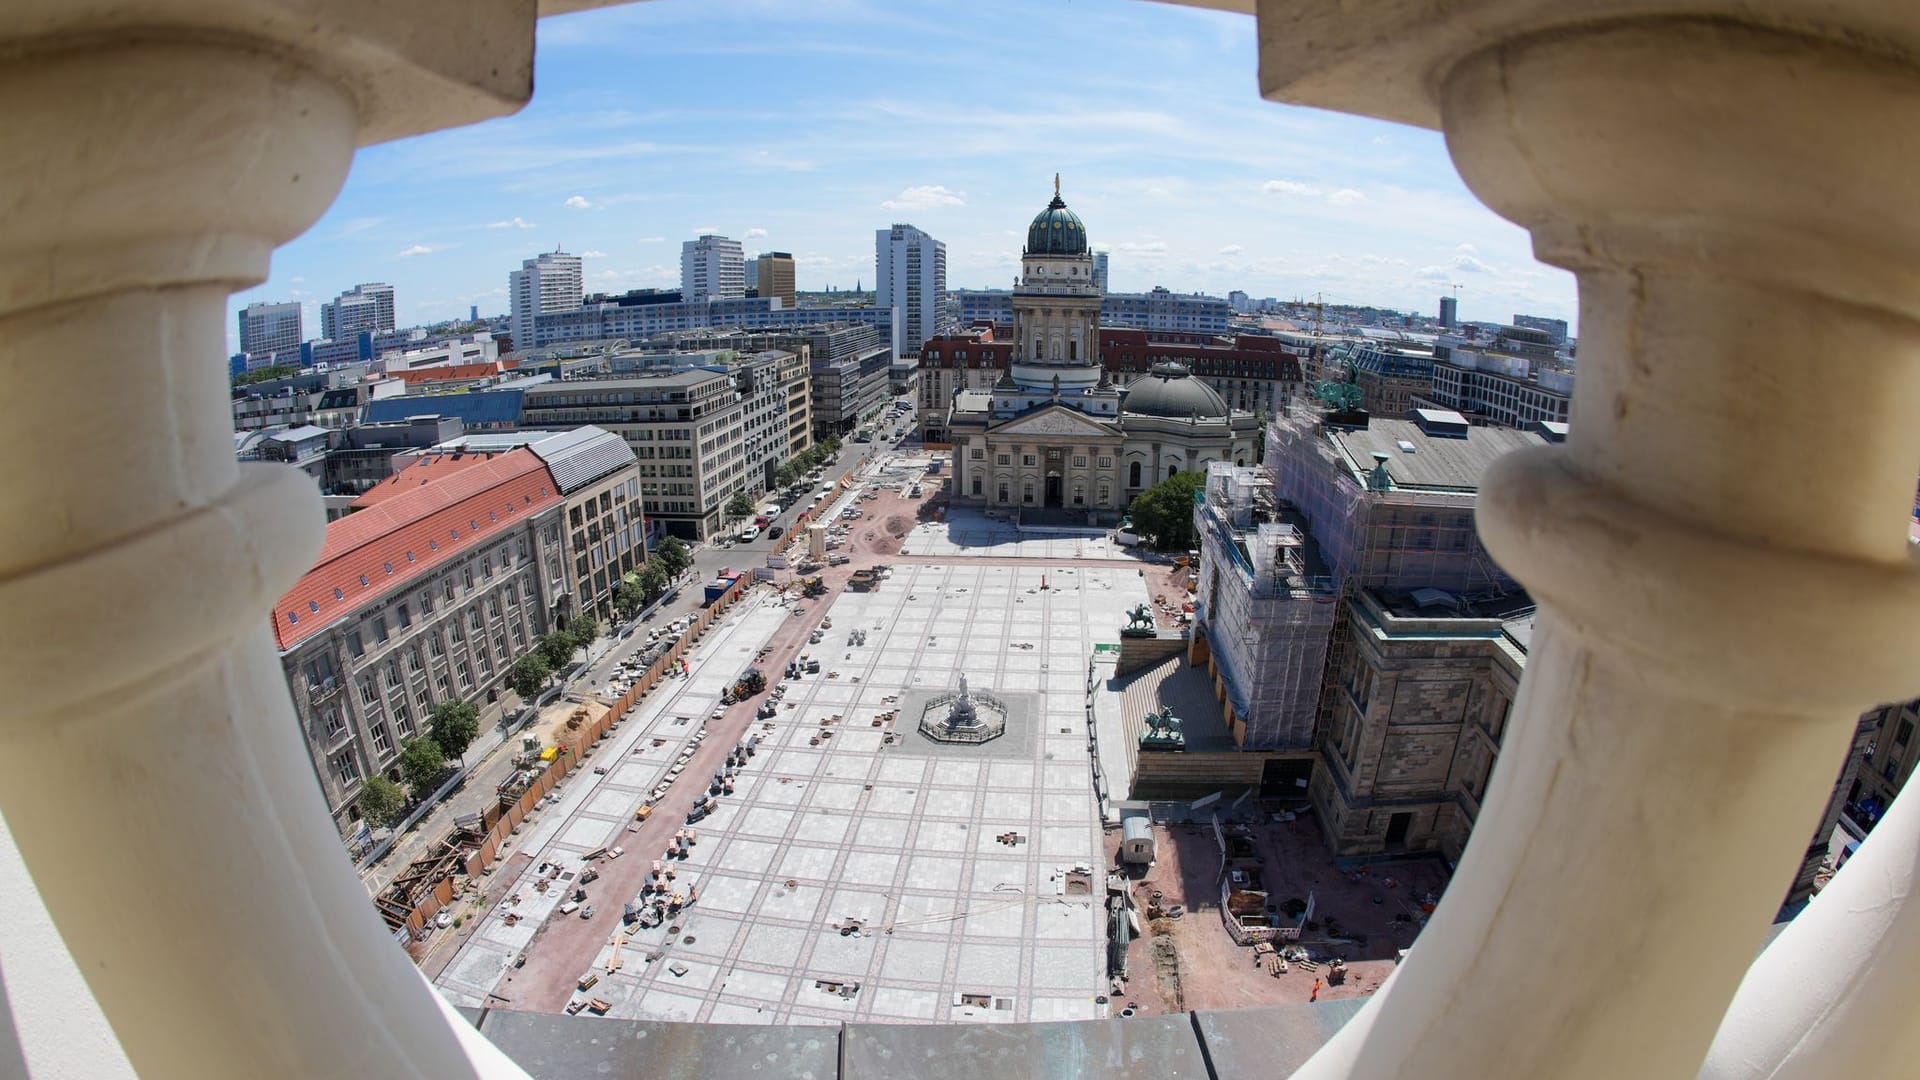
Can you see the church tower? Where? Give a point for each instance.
(1056, 320)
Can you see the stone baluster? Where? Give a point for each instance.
(152, 773)
(1719, 550)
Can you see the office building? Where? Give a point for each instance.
(773, 273)
(1449, 312)
(686, 429)
(423, 597)
(1515, 380)
(270, 329)
(1390, 378)
(363, 308)
(1100, 270)
(645, 313)
(1556, 329)
(1160, 310)
(712, 268)
(545, 284)
(910, 277)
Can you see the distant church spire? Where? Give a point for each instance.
(1056, 185)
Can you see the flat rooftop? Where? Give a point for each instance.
(1442, 463)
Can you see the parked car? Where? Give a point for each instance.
(776, 532)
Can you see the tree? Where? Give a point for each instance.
(829, 447)
(528, 674)
(455, 725)
(652, 582)
(739, 506)
(265, 374)
(421, 762)
(629, 597)
(673, 557)
(583, 629)
(558, 649)
(381, 801)
(1164, 512)
(787, 473)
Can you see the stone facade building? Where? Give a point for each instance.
(1055, 432)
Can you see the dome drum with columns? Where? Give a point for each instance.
(1055, 434)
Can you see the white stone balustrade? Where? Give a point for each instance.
(1719, 549)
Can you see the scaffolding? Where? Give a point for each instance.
(1267, 604)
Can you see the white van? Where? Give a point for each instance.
(751, 532)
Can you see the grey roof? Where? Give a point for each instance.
(646, 380)
(307, 431)
(972, 401)
(579, 457)
(1271, 1041)
(1443, 464)
(1171, 391)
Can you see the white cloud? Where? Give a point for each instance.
(704, 230)
(512, 223)
(652, 240)
(1467, 249)
(1232, 249)
(753, 234)
(925, 197)
(1141, 247)
(360, 224)
(590, 254)
(577, 202)
(1288, 187)
(1346, 196)
(419, 249)
(1471, 265)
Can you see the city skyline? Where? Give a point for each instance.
(634, 144)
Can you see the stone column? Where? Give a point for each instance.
(1719, 551)
(152, 773)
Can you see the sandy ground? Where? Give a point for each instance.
(1216, 973)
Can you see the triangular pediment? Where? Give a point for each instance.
(1056, 420)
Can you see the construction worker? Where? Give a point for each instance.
(1315, 996)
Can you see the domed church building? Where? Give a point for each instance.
(1056, 439)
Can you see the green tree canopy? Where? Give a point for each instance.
(381, 801)
(259, 375)
(583, 629)
(558, 648)
(421, 762)
(673, 556)
(1164, 512)
(629, 597)
(787, 473)
(528, 674)
(739, 506)
(455, 725)
(652, 582)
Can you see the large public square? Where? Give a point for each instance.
(858, 870)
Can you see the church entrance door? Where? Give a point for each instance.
(1053, 490)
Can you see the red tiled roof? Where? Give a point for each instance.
(446, 373)
(422, 472)
(370, 553)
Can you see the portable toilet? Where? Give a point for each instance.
(1136, 840)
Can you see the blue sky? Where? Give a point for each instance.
(805, 127)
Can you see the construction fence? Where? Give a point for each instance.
(475, 843)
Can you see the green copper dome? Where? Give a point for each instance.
(1056, 231)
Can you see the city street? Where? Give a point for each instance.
(497, 748)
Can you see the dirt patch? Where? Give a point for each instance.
(1166, 966)
(898, 525)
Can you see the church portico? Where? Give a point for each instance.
(1055, 432)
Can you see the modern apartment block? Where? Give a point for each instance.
(712, 268)
(423, 597)
(773, 276)
(366, 308)
(1513, 381)
(910, 277)
(689, 430)
(1158, 310)
(646, 313)
(1100, 270)
(266, 329)
(545, 284)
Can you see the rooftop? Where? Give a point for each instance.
(1416, 459)
(375, 550)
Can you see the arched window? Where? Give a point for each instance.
(1133, 475)
(1172, 470)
